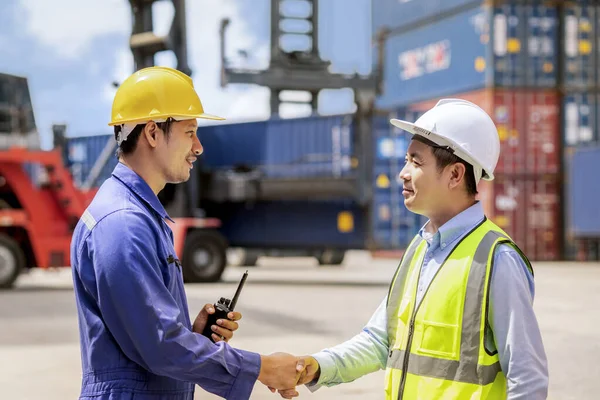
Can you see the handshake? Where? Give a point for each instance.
(283, 372)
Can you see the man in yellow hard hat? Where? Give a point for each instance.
(137, 339)
(457, 322)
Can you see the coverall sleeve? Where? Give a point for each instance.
(361, 355)
(516, 333)
(145, 319)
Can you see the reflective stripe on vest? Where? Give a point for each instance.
(465, 367)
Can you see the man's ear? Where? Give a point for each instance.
(457, 175)
(150, 133)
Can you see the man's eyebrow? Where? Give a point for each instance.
(414, 154)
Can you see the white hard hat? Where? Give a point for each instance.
(465, 129)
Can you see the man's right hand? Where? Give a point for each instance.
(280, 370)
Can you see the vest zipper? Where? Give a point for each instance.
(411, 328)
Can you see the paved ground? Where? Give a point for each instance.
(289, 305)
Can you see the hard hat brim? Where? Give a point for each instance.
(414, 130)
(164, 117)
(440, 141)
(210, 116)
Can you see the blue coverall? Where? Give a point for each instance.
(135, 329)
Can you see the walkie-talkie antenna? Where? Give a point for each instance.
(238, 291)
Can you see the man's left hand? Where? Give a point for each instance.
(224, 329)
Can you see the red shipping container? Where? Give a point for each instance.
(528, 209)
(528, 126)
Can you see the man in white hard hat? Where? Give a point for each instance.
(457, 322)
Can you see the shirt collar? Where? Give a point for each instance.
(136, 184)
(455, 227)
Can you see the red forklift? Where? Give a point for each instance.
(40, 206)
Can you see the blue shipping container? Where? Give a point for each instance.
(239, 144)
(82, 153)
(316, 146)
(393, 14)
(584, 193)
(581, 110)
(579, 44)
(505, 46)
(286, 148)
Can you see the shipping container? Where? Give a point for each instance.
(584, 193)
(288, 148)
(528, 126)
(81, 154)
(580, 129)
(397, 14)
(309, 147)
(505, 46)
(580, 118)
(580, 45)
(528, 209)
(238, 144)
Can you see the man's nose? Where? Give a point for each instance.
(403, 175)
(197, 147)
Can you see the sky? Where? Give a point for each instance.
(72, 51)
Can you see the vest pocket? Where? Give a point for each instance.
(438, 339)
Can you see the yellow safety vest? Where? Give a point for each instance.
(445, 334)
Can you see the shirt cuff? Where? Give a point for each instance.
(327, 370)
(247, 377)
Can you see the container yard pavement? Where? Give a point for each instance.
(289, 305)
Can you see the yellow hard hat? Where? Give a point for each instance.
(155, 94)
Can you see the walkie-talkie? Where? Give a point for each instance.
(222, 308)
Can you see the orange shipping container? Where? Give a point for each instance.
(528, 209)
(528, 126)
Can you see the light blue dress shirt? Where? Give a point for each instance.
(516, 334)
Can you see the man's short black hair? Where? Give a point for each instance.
(445, 157)
(128, 146)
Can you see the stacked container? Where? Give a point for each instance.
(503, 57)
(580, 123)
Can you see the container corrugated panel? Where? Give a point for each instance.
(283, 148)
(238, 144)
(297, 224)
(393, 224)
(581, 110)
(528, 126)
(505, 46)
(528, 209)
(584, 193)
(579, 44)
(82, 153)
(393, 14)
(309, 147)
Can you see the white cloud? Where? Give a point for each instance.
(68, 26)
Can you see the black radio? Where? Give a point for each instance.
(222, 308)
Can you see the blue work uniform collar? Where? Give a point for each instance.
(137, 185)
(454, 228)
